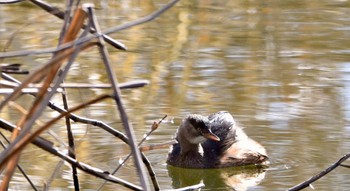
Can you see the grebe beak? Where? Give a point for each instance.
(210, 135)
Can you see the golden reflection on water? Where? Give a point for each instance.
(227, 178)
(281, 67)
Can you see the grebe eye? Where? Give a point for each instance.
(200, 130)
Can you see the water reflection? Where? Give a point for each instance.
(281, 67)
(235, 178)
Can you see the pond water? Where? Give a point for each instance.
(280, 67)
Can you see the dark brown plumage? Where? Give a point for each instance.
(215, 141)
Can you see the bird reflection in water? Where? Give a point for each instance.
(233, 178)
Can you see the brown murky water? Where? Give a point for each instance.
(280, 67)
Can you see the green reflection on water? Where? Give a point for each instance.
(281, 67)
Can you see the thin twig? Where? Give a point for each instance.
(64, 46)
(80, 119)
(10, 1)
(158, 146)
(38, 74)
(116, 93)
(18, 145)
(26, 122)
(189, 188)
(344, 165)
(153, 128)
(60, 14)
(109, 129)
(51, 178)
(125, 85)
(48, 146)
(41, 100)
(33, 89)
(320, 175)
(39, 104)
(66, 20)
(71, 150)
(18, 165)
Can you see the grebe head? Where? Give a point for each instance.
(196, 129)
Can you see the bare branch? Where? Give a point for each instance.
(116, 92)
(10, 1)
(145, 19)
(49, 147)
(188, 188)
(320, 175)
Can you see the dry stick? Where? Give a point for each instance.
(66, 20)
(42, 51)
(57, 60)
(76, 118)
(157, 146)
(22, 110)
(71, 150)
(100, 124)
(13, 162)
(71, 34)
(344, 165)
(320, 175)
(7, 153)
(121, 27)
(39, 104)
(65, 46)
(124, 85)
(132, 84)
(12, 37)
(187, 188)
(114, 132)
(124, 26)
(52, 177)
(10, 1)
(30, 136)
(154, 180)
(152, 173)
(48, 146)
(18, 166)
(35, 89)
(58, 13)
(116, 93)
(26, 121)
(38, 74)
(141, 20)
(110, 130)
